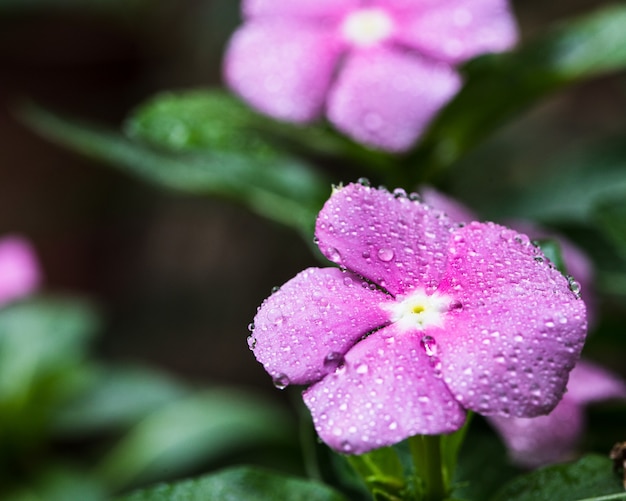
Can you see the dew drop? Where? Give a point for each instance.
(385, 254)
(430, 345)
(251, 326)
(363, 181)
(251, 342)
(574, 286)
(333, 360)
(347, 281)
(275, 289)
(399, 193)
(365, 254)
(362, 369)
(334, 255)
(393, 425)
(281, 381)
(275, 316)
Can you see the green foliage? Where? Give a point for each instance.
(588, 479)
(499, 87)
(273, 184)
(611, 218)
(192, 431)
(237, 484)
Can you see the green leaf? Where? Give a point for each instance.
(382, 472)
(611, 218)
(60, 484)
(281, 188)
(238, 484)
(590, 478)
(499, 87)
(115, 397)
(39, 338)
(551, 248)
(193, 431)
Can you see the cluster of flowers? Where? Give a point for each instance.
(423, 319)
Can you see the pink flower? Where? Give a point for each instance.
(19, 269)
(553, 438)
(425, 320)
(379, 69)
(577, 263)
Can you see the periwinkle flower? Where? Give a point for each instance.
(553, 438)
(378, 69)
(422, 320)
(19, 269)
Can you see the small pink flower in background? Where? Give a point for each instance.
(379, 70)
(19, 269)
(553, 438)
(426, 319)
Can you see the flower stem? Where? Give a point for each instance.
(426, 453)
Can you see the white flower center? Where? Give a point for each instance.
(367, 27)
(418, 310)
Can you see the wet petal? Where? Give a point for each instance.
(300, 8)
(456, 30)
(534, 442)
(19, 269)
(385, 98)
(518, 330)
(590, 383)
(302, 331)
(282, 68)
(386, 391)
(393, 241)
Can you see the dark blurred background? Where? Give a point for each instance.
(179, 278)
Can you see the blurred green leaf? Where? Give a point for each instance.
(40, 337)
(193, 431)
(60, 484)
(238, 484)
(577, 181)
(590, 478)
(382, 471)
(281, 188)
(551, 248)
(499, 87)
(115, 397)
(611, 218)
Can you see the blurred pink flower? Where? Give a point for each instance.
(553, 438)
(379, 69)
(19, 269)
(426, 319)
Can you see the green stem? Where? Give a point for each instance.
(426, 453)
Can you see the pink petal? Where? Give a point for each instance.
(590, 383)
(534, 442)
(577, 263)
(299, 8)
(456, 211)
(386, 391)
(393, 241)
(19, 269)
(456, 30)
(302, 331)
(282, 68)
(385, 98)
(520, 330)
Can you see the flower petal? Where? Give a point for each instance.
(300, 8)
(385, 98)
(510, 347)
(457, 30)
(534, 442)
(590, 383)
(387, 390)
(282, 68)
(19, 269)
(391, 240)
(302, 331)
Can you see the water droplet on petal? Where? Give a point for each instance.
(251, 326)
(385, 254)
(399, 193)
(251, 342)
(333, 360)
(574, 286)
(275, 316)
(430, 345)
(334, 255)
(281, 381)
(362, 369)
(363, 181)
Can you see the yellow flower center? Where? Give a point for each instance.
(367, 27)
(418, 310)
